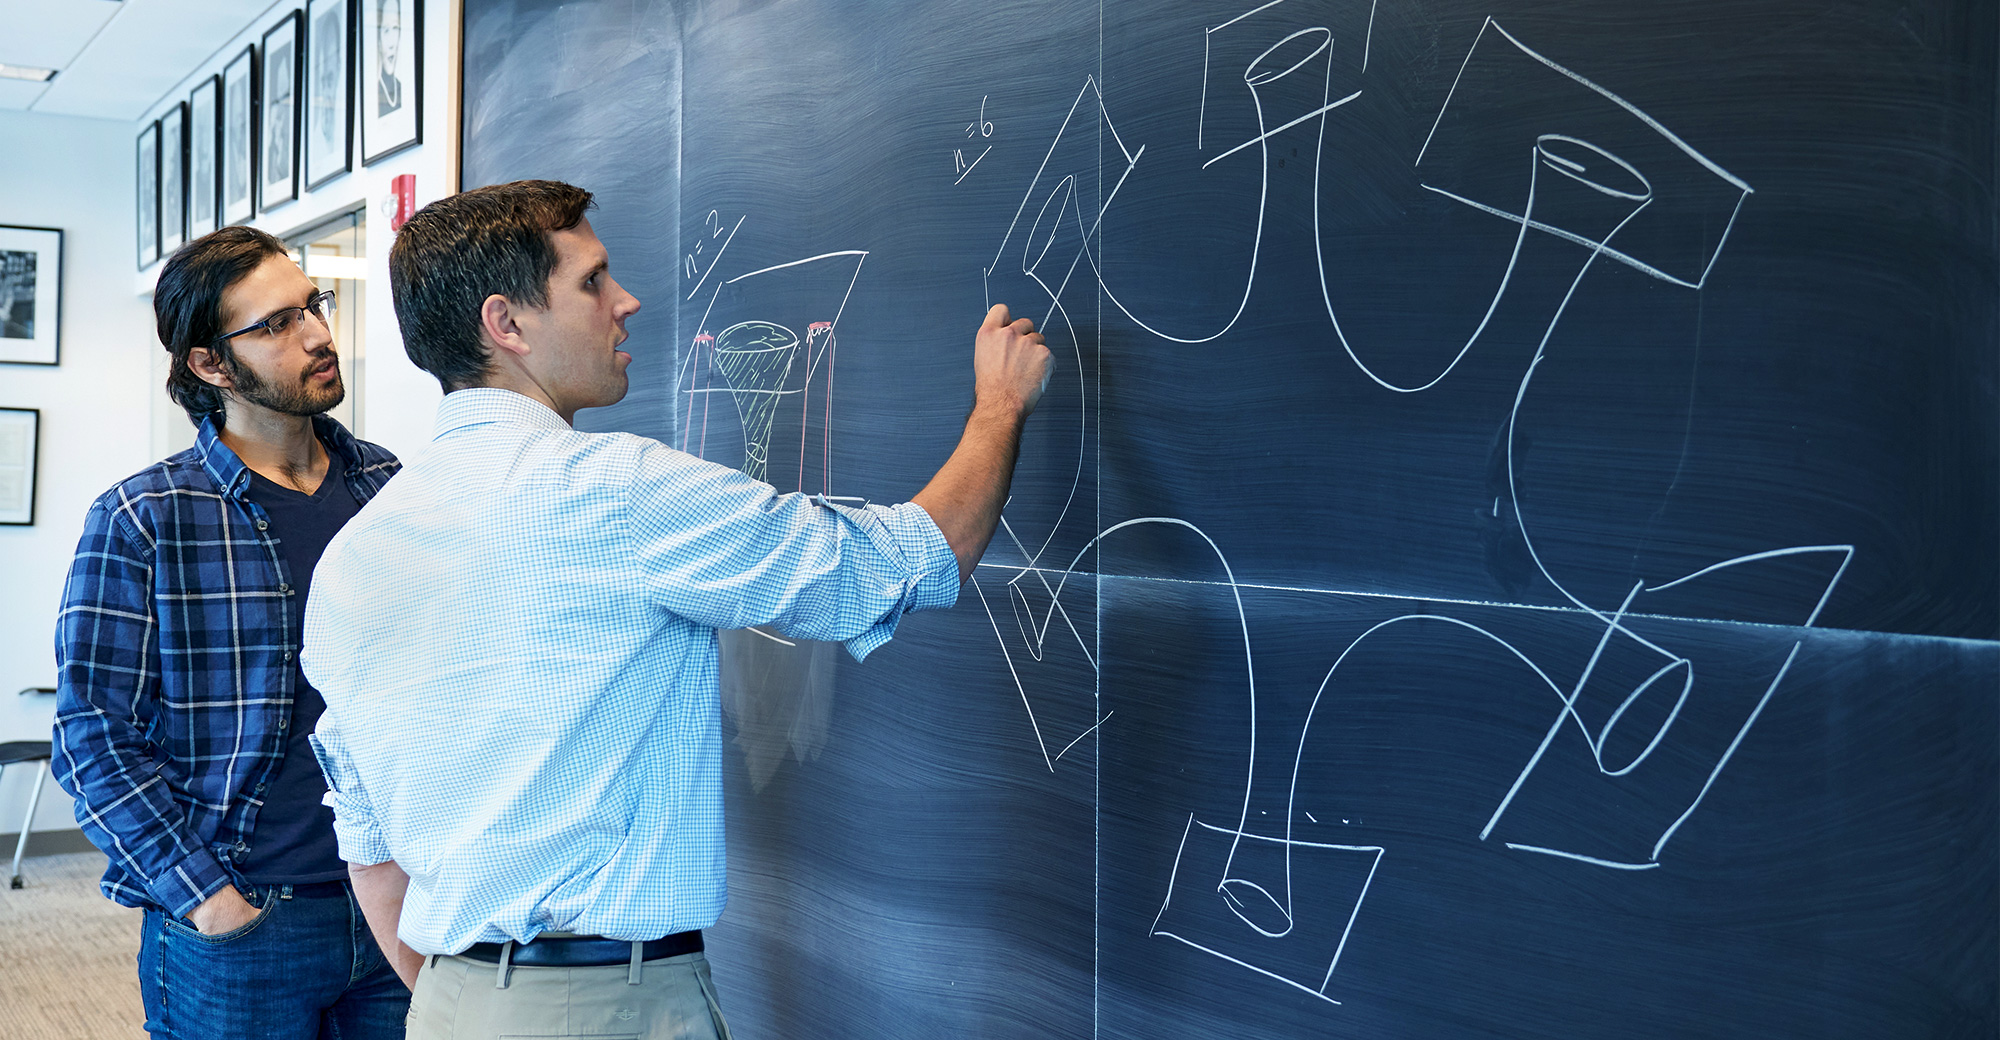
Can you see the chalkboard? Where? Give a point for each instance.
(1511, 547)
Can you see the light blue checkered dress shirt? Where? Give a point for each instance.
(516, 642)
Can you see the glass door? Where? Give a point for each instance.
(335, 256)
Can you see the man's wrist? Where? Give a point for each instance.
(224, 911)
(184, 884)
(999, 409)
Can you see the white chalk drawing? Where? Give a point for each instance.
(1234, 889)
(777, 691)
(762, 366)
(980, 127)
(1295, 960)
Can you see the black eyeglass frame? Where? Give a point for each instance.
(321, 305)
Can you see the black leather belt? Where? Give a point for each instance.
(584, 951)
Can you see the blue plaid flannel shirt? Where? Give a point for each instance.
(175, 654)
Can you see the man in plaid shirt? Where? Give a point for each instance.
(182, 721)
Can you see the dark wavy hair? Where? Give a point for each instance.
(187, 308)
(461, 249)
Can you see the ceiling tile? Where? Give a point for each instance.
(147, 50)
(49, 33)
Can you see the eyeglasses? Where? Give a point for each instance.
(281, 322)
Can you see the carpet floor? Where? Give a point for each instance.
(68, 956)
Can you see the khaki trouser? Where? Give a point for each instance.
(458, 998)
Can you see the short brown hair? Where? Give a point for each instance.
(459, 250)
(187, 308)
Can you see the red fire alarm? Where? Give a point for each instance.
(403, 192)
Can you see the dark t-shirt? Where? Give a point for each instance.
(292, 842)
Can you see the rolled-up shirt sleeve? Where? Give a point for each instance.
(909, 533)
(354, 824)
(724, 550)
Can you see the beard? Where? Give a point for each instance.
(302, 399)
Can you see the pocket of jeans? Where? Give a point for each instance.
(181, 927)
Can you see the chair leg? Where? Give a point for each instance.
(21, 846)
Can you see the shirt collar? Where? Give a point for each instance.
(229, 472)
(490, 404)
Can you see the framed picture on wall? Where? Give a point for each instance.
(149, 195)
(204, 157)
(279, 182)
(20, 437)
(173, 179)
(239, 137)
(30, 295)
(392, 77)
(329, 90)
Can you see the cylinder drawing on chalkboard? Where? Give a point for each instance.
(775, 419)
(1582, 201)
(1478, 568)
(776, 377)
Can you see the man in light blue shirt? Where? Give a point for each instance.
(516, 639)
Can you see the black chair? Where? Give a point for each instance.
(15, 752)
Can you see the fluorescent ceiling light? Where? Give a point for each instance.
(29, 73)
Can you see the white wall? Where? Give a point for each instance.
(104, 411)
(74, 174)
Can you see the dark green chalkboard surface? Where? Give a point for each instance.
(1511, 547)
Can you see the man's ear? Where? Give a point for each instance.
(208, 368)
(499, 319)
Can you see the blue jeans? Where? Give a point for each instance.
(305, 968)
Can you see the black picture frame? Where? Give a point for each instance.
(282, 79)
(387, 130)
(173, 178)
(147, 194)
(20, 452)
(205, 157)
(242, 110)
(31, 262)
(329, 90)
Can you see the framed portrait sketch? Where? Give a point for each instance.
(173, 178)
(239, 137)
(392, 77)
(149, 195)
(279, 181)
(30, 295)
(20, 434)
(329, 90)
(204, 157)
